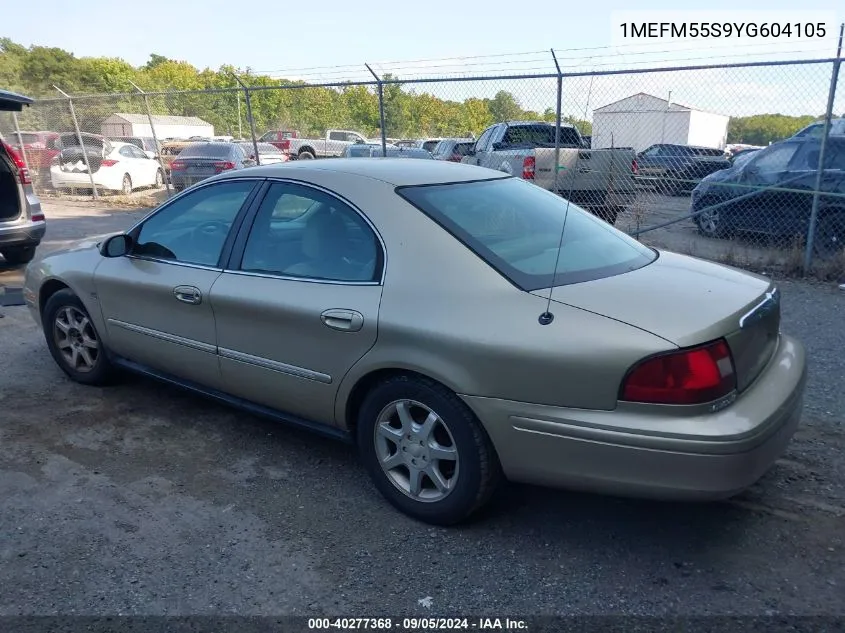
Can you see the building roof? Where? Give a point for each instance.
(160, 119)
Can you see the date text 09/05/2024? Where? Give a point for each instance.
(647, 30)
(417, 624)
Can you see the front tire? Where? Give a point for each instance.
(425, 450)
(73, 340)
(305, 155)
(18, 255)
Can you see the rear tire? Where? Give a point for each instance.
(74, 342)
(159, 183)
(830, 235)
(407, 419)
(126, 186)
(305, 155)
(18, 255)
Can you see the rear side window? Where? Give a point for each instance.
(515, 227)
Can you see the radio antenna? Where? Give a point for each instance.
(547, 317)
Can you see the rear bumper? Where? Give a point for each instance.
(22, 232)
(183, 182)
(635, 452)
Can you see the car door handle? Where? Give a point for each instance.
(345, 320)
(188, 294)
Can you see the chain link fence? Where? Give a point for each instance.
(681, 158)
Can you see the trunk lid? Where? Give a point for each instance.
(72, 157)
(687, 302)
(197, 166)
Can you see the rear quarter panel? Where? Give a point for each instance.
(446, 314)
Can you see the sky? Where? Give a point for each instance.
(296, 41)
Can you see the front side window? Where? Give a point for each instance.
(303, 232)
(516, 226)
(193, 228)
(773, 159)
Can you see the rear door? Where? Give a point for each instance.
(155, 301)
(298, 305)
(774, 178)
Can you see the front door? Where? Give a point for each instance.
(300, 305)
(155, 301)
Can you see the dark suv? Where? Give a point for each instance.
(771, 193)
(22, 223)
(678, 168)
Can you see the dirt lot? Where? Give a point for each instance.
(141, 499)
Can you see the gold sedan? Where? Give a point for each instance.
(458, 325)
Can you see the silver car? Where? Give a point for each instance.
(22, 223)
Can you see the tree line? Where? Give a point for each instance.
(409, 110)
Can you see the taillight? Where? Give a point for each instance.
(108, 162)
(528, 168)
(223, 165)
(635, 169)
(23, 172)
(38, 217)
(689, 376)
(177, 166)
(284, 145)
(456, 158)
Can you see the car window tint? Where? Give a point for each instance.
(192, 228)
(304, 232)
(515, 227)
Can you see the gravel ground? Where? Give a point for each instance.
(141, 499)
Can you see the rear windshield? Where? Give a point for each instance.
(705, 151)
(515, 227)
(27, 139)
(540, 136)
(206, 150)
(429, 145)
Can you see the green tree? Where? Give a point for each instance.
(504, 107)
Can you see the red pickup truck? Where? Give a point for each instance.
(280, 138)
(40, 149)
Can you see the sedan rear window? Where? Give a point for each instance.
(206, 150)
(515, 227)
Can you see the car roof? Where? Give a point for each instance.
(395, 171)
(13, 102)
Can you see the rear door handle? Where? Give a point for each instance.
(344, 320)
(188, 294)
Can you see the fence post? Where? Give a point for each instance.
(557, 118)
(380, 110)
(20, 142)
(249, 118)
(155, 137)
(81, 142)
(814, 213)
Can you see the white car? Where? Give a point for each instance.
(268, 153)
(116, 166)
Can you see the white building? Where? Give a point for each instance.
(122, 124)
(642, 120)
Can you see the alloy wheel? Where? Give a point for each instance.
(76, 339)
(416, 450)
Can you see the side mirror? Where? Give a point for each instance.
(116, 246)
(498, 145)
(150, 155)
(470, 152)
